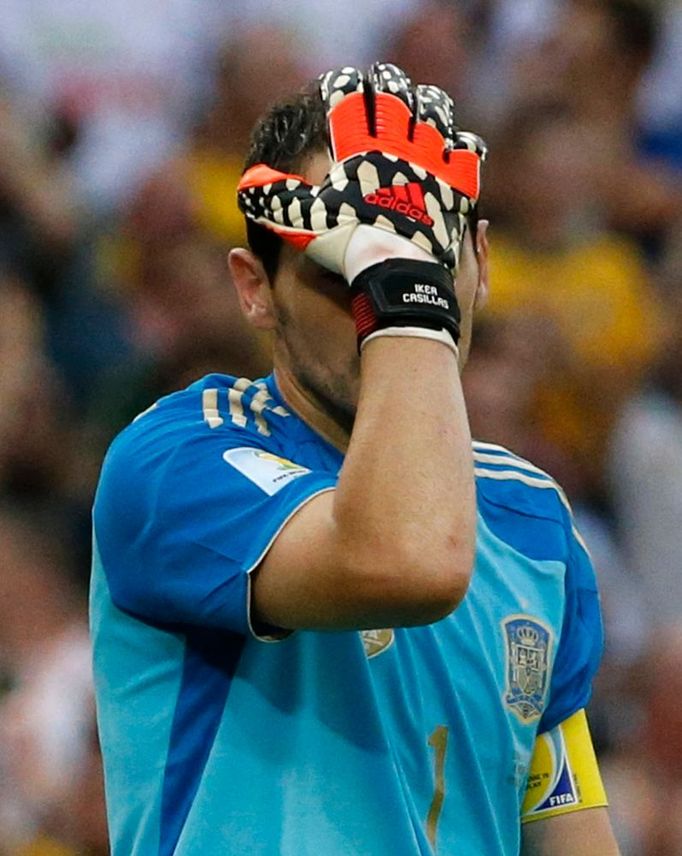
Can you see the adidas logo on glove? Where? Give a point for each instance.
(407, 199)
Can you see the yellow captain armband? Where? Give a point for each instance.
(564, 775)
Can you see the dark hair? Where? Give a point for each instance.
(291, 130)
(287, 133)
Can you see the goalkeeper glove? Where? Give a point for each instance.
(401, 184)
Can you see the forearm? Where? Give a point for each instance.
(392, 545)
(580, 833)
(405, 500)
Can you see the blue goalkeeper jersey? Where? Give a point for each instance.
(389, 742)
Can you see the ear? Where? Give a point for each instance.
(253, 288)
(482, 252)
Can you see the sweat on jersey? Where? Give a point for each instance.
(392, 742)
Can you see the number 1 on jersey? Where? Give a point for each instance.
(439, 741)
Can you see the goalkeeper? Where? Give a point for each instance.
(324, 621)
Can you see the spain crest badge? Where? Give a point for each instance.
(528, 645)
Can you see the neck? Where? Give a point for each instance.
(311, 410)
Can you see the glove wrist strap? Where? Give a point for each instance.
(404, 293)
(413, 333)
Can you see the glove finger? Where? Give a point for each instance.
(336, 84)
(472, 142)
(343, 93)
(386, 77)
(436, 108)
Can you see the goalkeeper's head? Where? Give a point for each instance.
(305, 306)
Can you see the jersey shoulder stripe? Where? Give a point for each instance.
(490, 456)
(221, 401)
(241, 404)
(498, 464)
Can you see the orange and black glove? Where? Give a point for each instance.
(390, 215)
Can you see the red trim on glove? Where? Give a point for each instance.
(261, 174)
(298, 240)
(363, 315)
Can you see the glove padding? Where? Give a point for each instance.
(398, 166)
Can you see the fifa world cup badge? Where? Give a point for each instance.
(376, 641)
(528, 644)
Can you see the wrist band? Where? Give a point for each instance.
(414, 333)
(405, 293)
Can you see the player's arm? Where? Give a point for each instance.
(581, 834)
(564, 812)
(393, 544)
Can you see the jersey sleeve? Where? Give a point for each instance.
(581, 641)
(179, 533)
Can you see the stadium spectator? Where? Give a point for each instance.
(509, 363)
(123, 80)
(45, 235)
(449, 31)
(32, 449)
(184, 321)
(46, 715)
(593, 61)
(586, 287)
(644, 772)
(645, 464)
(210, 164)
(660, 97)
(339, 36)
(32, 187)
(516, 30)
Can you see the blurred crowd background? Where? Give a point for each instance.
(123, 126)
